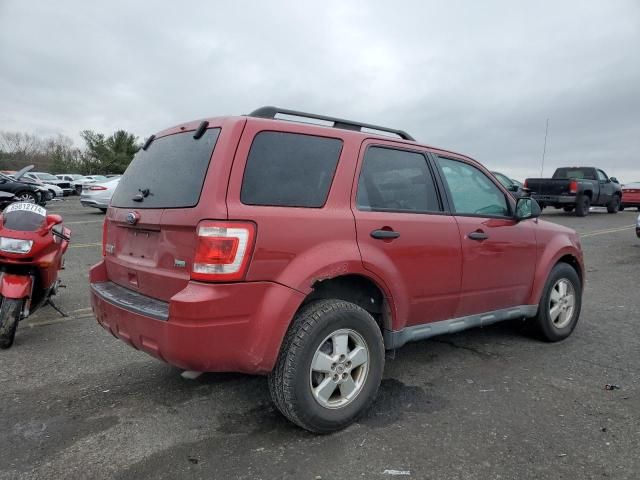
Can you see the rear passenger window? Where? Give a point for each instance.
(289, 170)
(397, 181)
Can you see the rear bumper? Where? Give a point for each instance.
(96, 203)
(236, 327)
(555, 199)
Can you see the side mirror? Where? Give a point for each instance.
(53, 219)
(527, 207)
(614, 180)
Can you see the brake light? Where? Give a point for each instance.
(573, 186)
(223, 251)
(97, 187)
(525, 184)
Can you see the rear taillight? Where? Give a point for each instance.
(223, 251)
(573, 186)
(525, 184)
(97, 187)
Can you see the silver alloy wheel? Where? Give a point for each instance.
(562, 303)
(339, 368)
(26, 197)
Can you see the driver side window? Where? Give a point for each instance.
(472, 192)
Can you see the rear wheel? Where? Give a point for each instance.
(614, 204)
(330, 366)
(103, 210)
(559, 307)
(10, 312)
(582, 206)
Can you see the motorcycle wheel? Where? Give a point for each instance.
(10, 312)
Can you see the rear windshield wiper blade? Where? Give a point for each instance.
(139, 197)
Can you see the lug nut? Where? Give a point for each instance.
(333, 366)
(344, 376)
(348, 364)
(336, 377)
(342, 357)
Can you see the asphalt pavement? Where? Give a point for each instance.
(489, 403)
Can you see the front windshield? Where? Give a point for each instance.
(24, 217)
(46, 176)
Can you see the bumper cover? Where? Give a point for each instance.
(555, 199)
(236, 327)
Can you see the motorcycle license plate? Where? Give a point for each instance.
(25, 207)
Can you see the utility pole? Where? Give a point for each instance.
(544, 149)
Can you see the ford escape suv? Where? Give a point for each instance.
(264, 245)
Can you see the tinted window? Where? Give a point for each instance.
(577, 173)
(172, 169)
(602, 176)
(289, 170)
(396, 180)
(472, 192)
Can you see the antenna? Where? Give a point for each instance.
(544, 149)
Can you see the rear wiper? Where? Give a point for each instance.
(144, 193)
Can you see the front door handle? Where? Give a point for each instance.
(478, 235)
(385, 234)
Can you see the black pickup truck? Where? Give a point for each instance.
(576, 188)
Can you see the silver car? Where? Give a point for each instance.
(98, 195)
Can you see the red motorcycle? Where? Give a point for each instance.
(32, 247)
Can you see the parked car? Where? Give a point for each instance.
(80, 182)
(71, 178)
(23, 190)
(6, 199)
(577, 188)
(630, 196)
(98, 195)
(514, 186)
(51, 180)
(48, 192)
(303, 251)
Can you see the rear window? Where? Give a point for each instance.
(574, 173)
(289, 170)
(169, 174)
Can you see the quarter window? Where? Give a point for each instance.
(289, 170)
(472, 192)
(396, 180)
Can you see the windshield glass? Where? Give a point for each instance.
(24, 217)
(46, 176)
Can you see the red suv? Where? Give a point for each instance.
(263, 245)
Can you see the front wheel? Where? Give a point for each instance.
(560, 304)
(10, 312)
(26, 196)
(614, 205)
(330, 366)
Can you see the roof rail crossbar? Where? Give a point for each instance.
(271, 112)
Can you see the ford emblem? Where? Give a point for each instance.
(132, 218)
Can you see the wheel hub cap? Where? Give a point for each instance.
(339, 368)
(562, 303)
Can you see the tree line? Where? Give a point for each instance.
(101, 154)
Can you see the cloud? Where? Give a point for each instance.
(477, 77)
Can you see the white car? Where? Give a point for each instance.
(98, 195)
(51, 180)
(78, 183)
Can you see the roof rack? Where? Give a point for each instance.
(271, 112)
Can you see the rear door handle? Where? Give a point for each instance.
(477, 236)
(385, 234)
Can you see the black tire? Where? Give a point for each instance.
(10, 312)
(583, 204)
(290, 382)
(622, 207)
(27, 196)
(103, 210)
(569, 209)
(543, 323)
(614, 204)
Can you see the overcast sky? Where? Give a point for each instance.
(480, 78)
